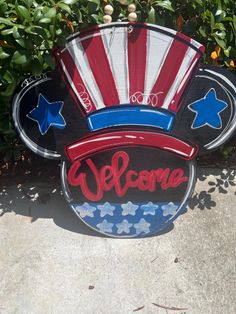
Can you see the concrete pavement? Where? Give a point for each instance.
(50, 262)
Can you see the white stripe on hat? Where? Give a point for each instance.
(158, 46)
(183, 74)
(115, 43)
(79, 56)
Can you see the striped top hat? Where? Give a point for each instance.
(129, 74)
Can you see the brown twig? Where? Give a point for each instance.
(173, 308)
(138, 309)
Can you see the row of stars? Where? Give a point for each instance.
(124, 227)
(87, 210)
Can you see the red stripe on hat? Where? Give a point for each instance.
(137, 53)
(78, 82)
(56, 53)
(106, 141)
(170, 69)
(99, 64)
(176, 104)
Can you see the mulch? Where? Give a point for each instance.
(30, 168)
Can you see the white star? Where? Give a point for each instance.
(124, 226)
(106, 209)
(169, 209)
(142, 226)
(85, 210)
(129, 209)
(105, 226)
(149, 208)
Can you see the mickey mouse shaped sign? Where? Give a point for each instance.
(127, 111)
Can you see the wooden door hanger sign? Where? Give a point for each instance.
(127, 110)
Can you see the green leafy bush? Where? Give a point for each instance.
(31, 28)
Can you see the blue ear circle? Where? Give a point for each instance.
(208, 114)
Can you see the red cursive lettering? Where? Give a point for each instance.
(112, 176)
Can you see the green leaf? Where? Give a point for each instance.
(212, 19)
(70, 1)
(95, 18)
(199, 2)
(234, 21)
(203, 30)
(228, 19)
(64, 7)
(219, 26)
(79, 16)
(25, 43)
(16, 33)
(8, 77)
(35, 67)
(51, 13)
(3, 54)
(3, 8)
(37, 15)
(52, 30)
(28, 3)
(58, 31)
(220, 34)
(21, 42)
(7, 31)
(220, 42)
(35, 30)
(6, 21)
(227, 52)
(152, 16)
(166, 4)
(93, 6)
(45, 20)
(19, 57)
(219, 12)
(49, 60)
(23, 12)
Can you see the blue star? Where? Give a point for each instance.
(85, 210)
(123, 227)
(208, 110)
(105, 226)
(47, 114)
(149, 208)
(169, 209)
(106, 209)
(142, 226)
(129, 209)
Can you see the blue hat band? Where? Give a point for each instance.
(126, 115)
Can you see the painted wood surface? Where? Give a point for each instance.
(127, 110)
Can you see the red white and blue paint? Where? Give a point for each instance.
(127, 111)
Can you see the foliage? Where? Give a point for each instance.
(31, 28)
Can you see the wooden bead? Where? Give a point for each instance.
(108, 9)
(132, 7)
(107, 19)
(132, 17)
